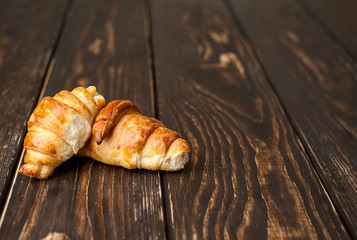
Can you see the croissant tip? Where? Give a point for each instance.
(33, 171)
(25, 170)
(21, 170)
(97, 131)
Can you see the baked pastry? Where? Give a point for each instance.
(58, 128)
(122, 136)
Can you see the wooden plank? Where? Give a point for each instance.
(316, 82)
(338, 17)
(28, 30)
(249, 176)
(104, 43)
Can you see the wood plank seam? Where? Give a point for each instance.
(325, 28)
(5, 196)
(291, 122)
(151, 61)
(151, 57)
(11, 187)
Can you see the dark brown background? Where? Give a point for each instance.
(265, 92)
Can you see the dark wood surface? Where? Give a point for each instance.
(338, 19)
(265, 92)
(28, 32)
(316, 82)
(247, 161)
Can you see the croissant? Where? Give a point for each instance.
(122, 136)
(58, 128)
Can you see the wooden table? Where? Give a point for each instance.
(265, 92)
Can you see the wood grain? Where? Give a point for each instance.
(28, 31)
(249, 176)
(316, 81)
(105, 44)
(338, 17)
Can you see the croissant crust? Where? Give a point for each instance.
(58, 127)
(122, 136)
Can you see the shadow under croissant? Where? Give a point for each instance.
(79, 165)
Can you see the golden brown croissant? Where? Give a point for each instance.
(58, 128)
(122, 136)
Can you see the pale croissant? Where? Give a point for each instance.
(122, 136)
(58, 128)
